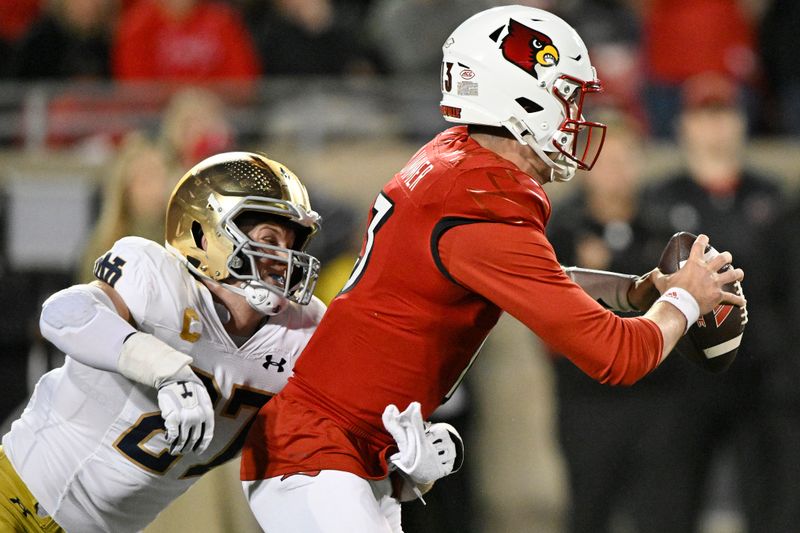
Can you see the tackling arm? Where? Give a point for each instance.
(621, 292)
(86, 322)
(608, 288)
(83, 322)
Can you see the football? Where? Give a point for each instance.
(712, 342)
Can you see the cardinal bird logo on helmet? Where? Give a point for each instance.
(528, 48)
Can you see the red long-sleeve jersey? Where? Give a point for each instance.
(209, 43)
(455, 238)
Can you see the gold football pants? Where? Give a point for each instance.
(19, 510)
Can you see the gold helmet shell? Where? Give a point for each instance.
(206, 203)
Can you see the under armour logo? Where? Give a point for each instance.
(109, 269)
(186, 392)
(23, 509)
(279, 364)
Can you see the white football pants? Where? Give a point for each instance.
(330, 502)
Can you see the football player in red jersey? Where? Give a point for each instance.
(454, 239)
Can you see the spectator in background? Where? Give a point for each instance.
(133, 200)
(408, 37)
(611, 30)
(684, 38)
(618, 461)
(70, 41)
(717, 194)
(307, 37)
(195, 125)
(777, 38)
(16, 16)
(183, 40)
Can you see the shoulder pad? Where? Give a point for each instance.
(148, 278)
(500, 195)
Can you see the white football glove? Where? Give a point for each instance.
(187, 412)
(427, 452)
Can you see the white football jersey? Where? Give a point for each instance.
(90, 445)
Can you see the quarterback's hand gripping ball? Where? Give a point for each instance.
(712, 342)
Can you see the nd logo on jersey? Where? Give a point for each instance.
(109, 269)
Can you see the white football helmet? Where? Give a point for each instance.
(528, 71)
(206, 203)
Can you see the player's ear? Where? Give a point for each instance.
(204, 243)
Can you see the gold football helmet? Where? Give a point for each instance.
(206, 203)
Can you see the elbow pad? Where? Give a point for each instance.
(608, 288)
(82, 322)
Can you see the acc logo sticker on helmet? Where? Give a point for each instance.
(528, 48)
(467, 74)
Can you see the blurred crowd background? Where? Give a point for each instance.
(104, 104)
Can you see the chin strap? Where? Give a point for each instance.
(261, 299)
(559, 170)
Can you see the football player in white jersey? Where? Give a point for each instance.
(171, 352)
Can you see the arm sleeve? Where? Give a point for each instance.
(515, 267)
(81, 321)
(609, 289)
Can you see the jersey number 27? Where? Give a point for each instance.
(243, 402)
